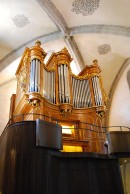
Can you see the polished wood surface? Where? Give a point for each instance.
(119, 143)
(48, 135)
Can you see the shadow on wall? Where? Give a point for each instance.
(128, 78)
(5, 94)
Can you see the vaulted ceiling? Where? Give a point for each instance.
(90, 29)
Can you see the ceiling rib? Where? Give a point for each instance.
(60, 22)
(84, 29)
(13, 55)
(8, 81)
(74, 49)
(101, 28)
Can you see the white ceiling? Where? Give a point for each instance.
(112, 12)
(104, 35)
(12, 36)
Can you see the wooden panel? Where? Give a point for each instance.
(78, 174)
(119, 142)
(3, 141)
(34, 170)
(48, 135)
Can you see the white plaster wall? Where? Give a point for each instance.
(7, 88)
(120, 107)
(6, 92)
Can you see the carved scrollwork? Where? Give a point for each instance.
(22, 77)
(65, 109)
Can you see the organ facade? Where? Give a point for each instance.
(51, 92)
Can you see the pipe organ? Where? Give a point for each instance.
(52, 90)
(81, 93)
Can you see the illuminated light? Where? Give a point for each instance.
(72, 148)
(67, 129)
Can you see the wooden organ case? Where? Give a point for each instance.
(51, 92)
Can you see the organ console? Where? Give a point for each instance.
(53, 93)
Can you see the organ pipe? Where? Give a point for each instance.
(64, 88)
(55, 82)
(53, 87)
(97, 91)
(81, 93)
(80, 87)
(59, 84)
(49, 85)
(35, 76)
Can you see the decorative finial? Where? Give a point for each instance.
(65, 50)
(38, 43)
(95, 61)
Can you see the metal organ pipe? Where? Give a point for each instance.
(46, 84)
(54, 94)
(59, 84)
(39, 73)
(48, 80)
(35, 76)
(31, 78)
(43, 82)
(49, 85)
(52, 85)
(81, 93)
(62, 82)
(73, 89)
(83, 88)
(67, 85)
(94, 89)
(78, 93)
(80, 86)
(75, 94)
(64, 88)
(97, 91)
(86, 94)
(89, 96)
